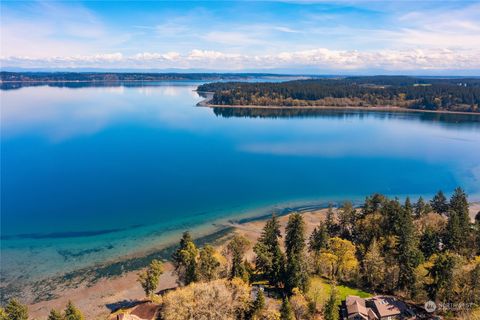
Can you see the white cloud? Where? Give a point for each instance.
(57, 35)
(147, 56)
(321, 58)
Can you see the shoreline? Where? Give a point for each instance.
(205, 103)
(115, 283)
(51, 287)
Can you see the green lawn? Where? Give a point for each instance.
(320, 290)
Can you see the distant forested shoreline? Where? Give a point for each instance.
(123, 76)
(436, 94)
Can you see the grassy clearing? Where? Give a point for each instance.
(320, 290)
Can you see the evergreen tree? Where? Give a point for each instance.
(453, 233)
(408, 206)
(269, 257)
(55, 315)
(296, 269)
(420, 207)
(347, 218)
(373, 203)
(185, 260)
(318, 239)
(72, 312)
(442, 273)
(259, 303)
(409, 255)
(459, 204)
(439, 203)
(429, 242)
(236, 248)
(392, 213)
(330, 310)
(330, 221)
(16, 311)
(286, 312)
(149, 278)
(208, 264)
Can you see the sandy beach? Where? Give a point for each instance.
(98, 299)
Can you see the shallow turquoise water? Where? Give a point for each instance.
(96, 173)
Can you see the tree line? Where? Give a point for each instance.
(409, 92)
(419, 251)
(426, 250)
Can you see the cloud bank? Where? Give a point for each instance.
(307, 36)
(318, 59)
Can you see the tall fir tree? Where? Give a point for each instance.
(259, 304)
(420, 207)
(208, 264)
(185, 260)
(236, 248)
(373, 203)
(429, 242)
(269, 256)
(408, 206)
(409, 254)
(442, 273)
(439, 203)
(346, 220)
(330, 221)
(286, 311)
(318, 239)
(392, 213)
(459, 204)
(454, 236)
(296, 269)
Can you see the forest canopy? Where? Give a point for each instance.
(453, 94)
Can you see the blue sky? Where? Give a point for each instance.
(435, 37)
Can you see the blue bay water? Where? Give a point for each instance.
(96, 173)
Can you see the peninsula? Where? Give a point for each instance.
(369, 92)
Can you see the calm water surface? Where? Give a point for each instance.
(96, 173)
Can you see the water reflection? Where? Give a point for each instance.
(239, 112)
(61, 113)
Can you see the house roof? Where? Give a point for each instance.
(387, 306)
(356, 305)
(353, 299)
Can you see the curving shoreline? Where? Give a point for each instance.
(115, 284)
(47, 291)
